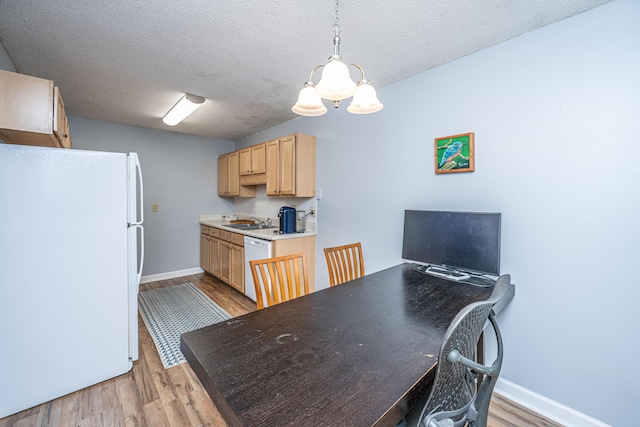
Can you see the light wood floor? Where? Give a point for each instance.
(150, 396)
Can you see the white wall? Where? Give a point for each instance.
(180, 174)
(5, 62)
(556, 118)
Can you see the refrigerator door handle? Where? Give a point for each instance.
(139, 270)
(135, 177)
(139, 174)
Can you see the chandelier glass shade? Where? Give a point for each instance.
(309, 102)
(365, 100)
(336, 85)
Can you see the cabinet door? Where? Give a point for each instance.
(258, 159)
(225, 261)
(233, 174)
(246, 167)
(273, 167)
(299, 244)
(26, 103)
(214, 256)
(204, 253)
(27, 107)
(222, 176)
(237, 267)
(60, 122)
(288, 166)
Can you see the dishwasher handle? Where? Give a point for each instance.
(256, 242)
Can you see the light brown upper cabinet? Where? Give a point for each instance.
(32, 111)
(291, 166)
(223, 175)
(229, 177)
(253, 165)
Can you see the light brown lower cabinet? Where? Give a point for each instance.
(232, 264)
(210, 250)
(205, 260)
(225, 262)
(222, 255)
(214, 256)
(305, 244)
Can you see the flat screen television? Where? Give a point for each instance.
(465, 241)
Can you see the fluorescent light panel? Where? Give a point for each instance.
(187, 105)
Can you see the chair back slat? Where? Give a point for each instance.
(279, 279)
(345, 263)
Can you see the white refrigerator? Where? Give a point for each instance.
(71, 254)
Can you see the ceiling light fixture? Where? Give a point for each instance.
(187, 105)
(335, 85)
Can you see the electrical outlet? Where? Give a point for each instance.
(312, 209)
(154, 207)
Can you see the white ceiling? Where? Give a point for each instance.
(130, 61)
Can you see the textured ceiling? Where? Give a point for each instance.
(130, 61)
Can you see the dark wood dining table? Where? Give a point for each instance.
(357, 354)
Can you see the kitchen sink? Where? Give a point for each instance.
(250, 226)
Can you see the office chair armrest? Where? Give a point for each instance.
(454, 355)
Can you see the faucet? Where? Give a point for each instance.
(261, 222)
(305, 215)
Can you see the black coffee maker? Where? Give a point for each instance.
(287, 219)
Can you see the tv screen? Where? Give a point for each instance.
(465, 241)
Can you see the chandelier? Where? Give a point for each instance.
(335, 85)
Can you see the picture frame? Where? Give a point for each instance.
(454, 153)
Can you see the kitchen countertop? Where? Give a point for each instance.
(266, 234)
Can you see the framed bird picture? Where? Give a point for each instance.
(454, 153)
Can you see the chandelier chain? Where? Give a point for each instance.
(336, 26)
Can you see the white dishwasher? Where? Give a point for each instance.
(254, 248)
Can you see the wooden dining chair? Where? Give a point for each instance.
(344, 262)
(279, 279)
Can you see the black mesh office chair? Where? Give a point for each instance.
(455, 398)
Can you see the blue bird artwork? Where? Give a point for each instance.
(451, 153)
(454, 153)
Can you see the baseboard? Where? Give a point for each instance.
(171, 275)
(544, 406)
